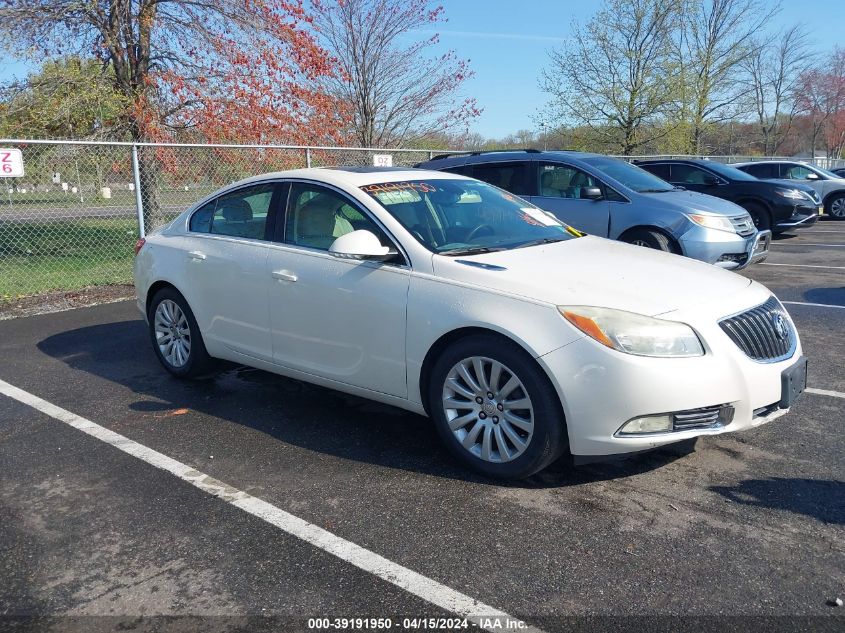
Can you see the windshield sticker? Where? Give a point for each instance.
(538, 217)
(386, 187)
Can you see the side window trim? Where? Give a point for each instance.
(280, 234)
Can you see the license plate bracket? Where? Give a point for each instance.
(793, 382)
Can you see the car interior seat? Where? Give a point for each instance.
(317, 223)
(555, 183)
(238, 219)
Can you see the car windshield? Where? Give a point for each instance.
(731, 173)
(629, 175)
(826, 173)
(456, 217)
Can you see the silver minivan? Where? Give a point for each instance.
(612, 198)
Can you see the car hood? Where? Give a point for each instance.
(692, 202)
(595, 271)
(789, 184)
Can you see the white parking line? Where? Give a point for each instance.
(815, 305)
(825, 392)
(806, 244)
(421, 586)
(802, 266)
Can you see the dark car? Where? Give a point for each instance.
(829, 186)
(772, 204)
(839, 171)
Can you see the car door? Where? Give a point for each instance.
(340, 319)
(560, 190)
(225, 260)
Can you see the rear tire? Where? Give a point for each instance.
(513, 434)
(761, 217)
(649, 239)
(176, 337)
(835, 207)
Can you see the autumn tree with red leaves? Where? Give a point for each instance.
(397, 92)
(822, 98)
(219, 70)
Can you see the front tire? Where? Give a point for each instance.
(176, 336)
(836, 207)
(495, 409)
(760, 216)
(649, 239)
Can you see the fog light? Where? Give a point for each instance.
(647, 424)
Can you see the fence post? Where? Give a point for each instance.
(430, 155)
(139, 203)
(308, 157)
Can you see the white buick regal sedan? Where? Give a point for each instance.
(521, 338)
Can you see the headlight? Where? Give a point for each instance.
(792, 194)
(717, 222)
(634, 333)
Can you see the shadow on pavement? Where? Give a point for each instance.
(299, 413)
(817, 498)
(829, 296)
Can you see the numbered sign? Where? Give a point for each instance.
(383, 160)
(11, 163)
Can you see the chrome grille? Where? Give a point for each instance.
(743, 225)
(764, 333)
(704, 418)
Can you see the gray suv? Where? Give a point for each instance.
(612, 198)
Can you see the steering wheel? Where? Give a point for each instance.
(477, 230)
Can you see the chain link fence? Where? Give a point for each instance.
(71, 221)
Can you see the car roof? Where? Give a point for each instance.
(770, 162)
(704, 162)
(352, 176)
(518, 155)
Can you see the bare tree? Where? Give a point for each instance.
(397, 92)
(615, 76)
(718, 36)
(774, 74)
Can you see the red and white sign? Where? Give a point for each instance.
(383, 160)
(11, 163)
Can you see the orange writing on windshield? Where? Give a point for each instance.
(392, 187)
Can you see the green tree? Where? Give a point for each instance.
(68, 98)
(616, 77)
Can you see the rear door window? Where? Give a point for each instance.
(661, 170)
(689, 175)
(761, 171)
(514, 177)
(243, 213)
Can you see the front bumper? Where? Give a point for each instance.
(602, 389)
(726, 250)
(802, 217)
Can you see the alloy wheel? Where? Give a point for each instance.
(488, 409)
(173, 334)
(837, 207)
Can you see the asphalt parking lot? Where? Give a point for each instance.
(326, 506)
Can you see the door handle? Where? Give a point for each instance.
(283, 275)
(196, 255)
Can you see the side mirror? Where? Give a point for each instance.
(591, 193)
(710, 180)
(360, 244)
(812, 176)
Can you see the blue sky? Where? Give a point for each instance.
(508, 41)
